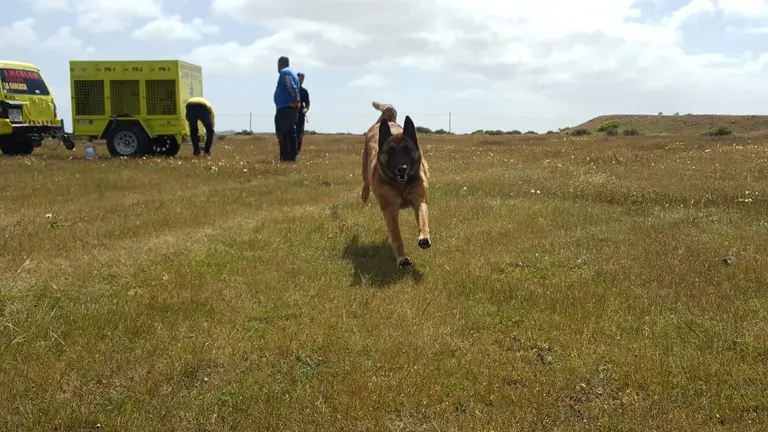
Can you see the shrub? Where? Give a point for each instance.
(720, 131)
(630, 132)
(531, 133)
(610, 124)
(612, 132)
(581, 132)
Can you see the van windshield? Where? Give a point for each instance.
(24, 82)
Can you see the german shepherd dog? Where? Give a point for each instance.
(395, 170)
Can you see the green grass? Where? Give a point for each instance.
(601, 283)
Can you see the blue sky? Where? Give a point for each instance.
(515, 65)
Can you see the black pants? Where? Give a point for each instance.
(300, 131)
(285, 128)
(195, 113)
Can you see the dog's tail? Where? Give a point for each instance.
(388, 112)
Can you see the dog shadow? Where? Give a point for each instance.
(374, 264)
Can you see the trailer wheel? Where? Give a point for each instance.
(127, 139)
(165, 146)
(18, 147)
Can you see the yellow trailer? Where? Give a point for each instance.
(136, 106)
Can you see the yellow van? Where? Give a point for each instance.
(27, 110)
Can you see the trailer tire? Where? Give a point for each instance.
(127, 139)
(17, 147)
(165, 146)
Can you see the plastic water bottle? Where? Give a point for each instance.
(90, 150)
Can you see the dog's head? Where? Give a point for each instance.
(399, 155)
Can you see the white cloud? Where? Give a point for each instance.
(19, 33)
(48, 5)
(114, 15)
(472, 93)
(690, 11)
(591, 54)
(63, 41)
(102, 16)
(172, 28)
(370, 80)
(262, 54)
(22, 33)
(744, 8)
(730, 8)
(755, 30)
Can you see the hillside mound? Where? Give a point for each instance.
(692, 124)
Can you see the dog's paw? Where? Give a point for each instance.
(404, 262)
(425, 242)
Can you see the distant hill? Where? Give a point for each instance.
(693, 124)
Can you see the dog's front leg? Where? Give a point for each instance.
(419, 204)
(391, 215)
(422, 219)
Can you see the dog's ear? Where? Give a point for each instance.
(409, 131)
(385, 133)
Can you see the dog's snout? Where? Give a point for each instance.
(402, 170)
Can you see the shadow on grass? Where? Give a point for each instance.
(374, 264)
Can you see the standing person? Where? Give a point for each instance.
(287, 103)
(302, 111)
(198, 109)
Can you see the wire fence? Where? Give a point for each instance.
(441, 120)
(341, 122)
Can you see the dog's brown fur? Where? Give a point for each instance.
(391, 195)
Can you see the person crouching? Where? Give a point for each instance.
(198, 109)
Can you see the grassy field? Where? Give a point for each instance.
(602, 283)
(694, 124)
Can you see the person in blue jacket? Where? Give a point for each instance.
(287, 103)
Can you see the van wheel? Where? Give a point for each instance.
(165, 146)
(17, 147)
(127, 139)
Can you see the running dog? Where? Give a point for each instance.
(395, 170)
